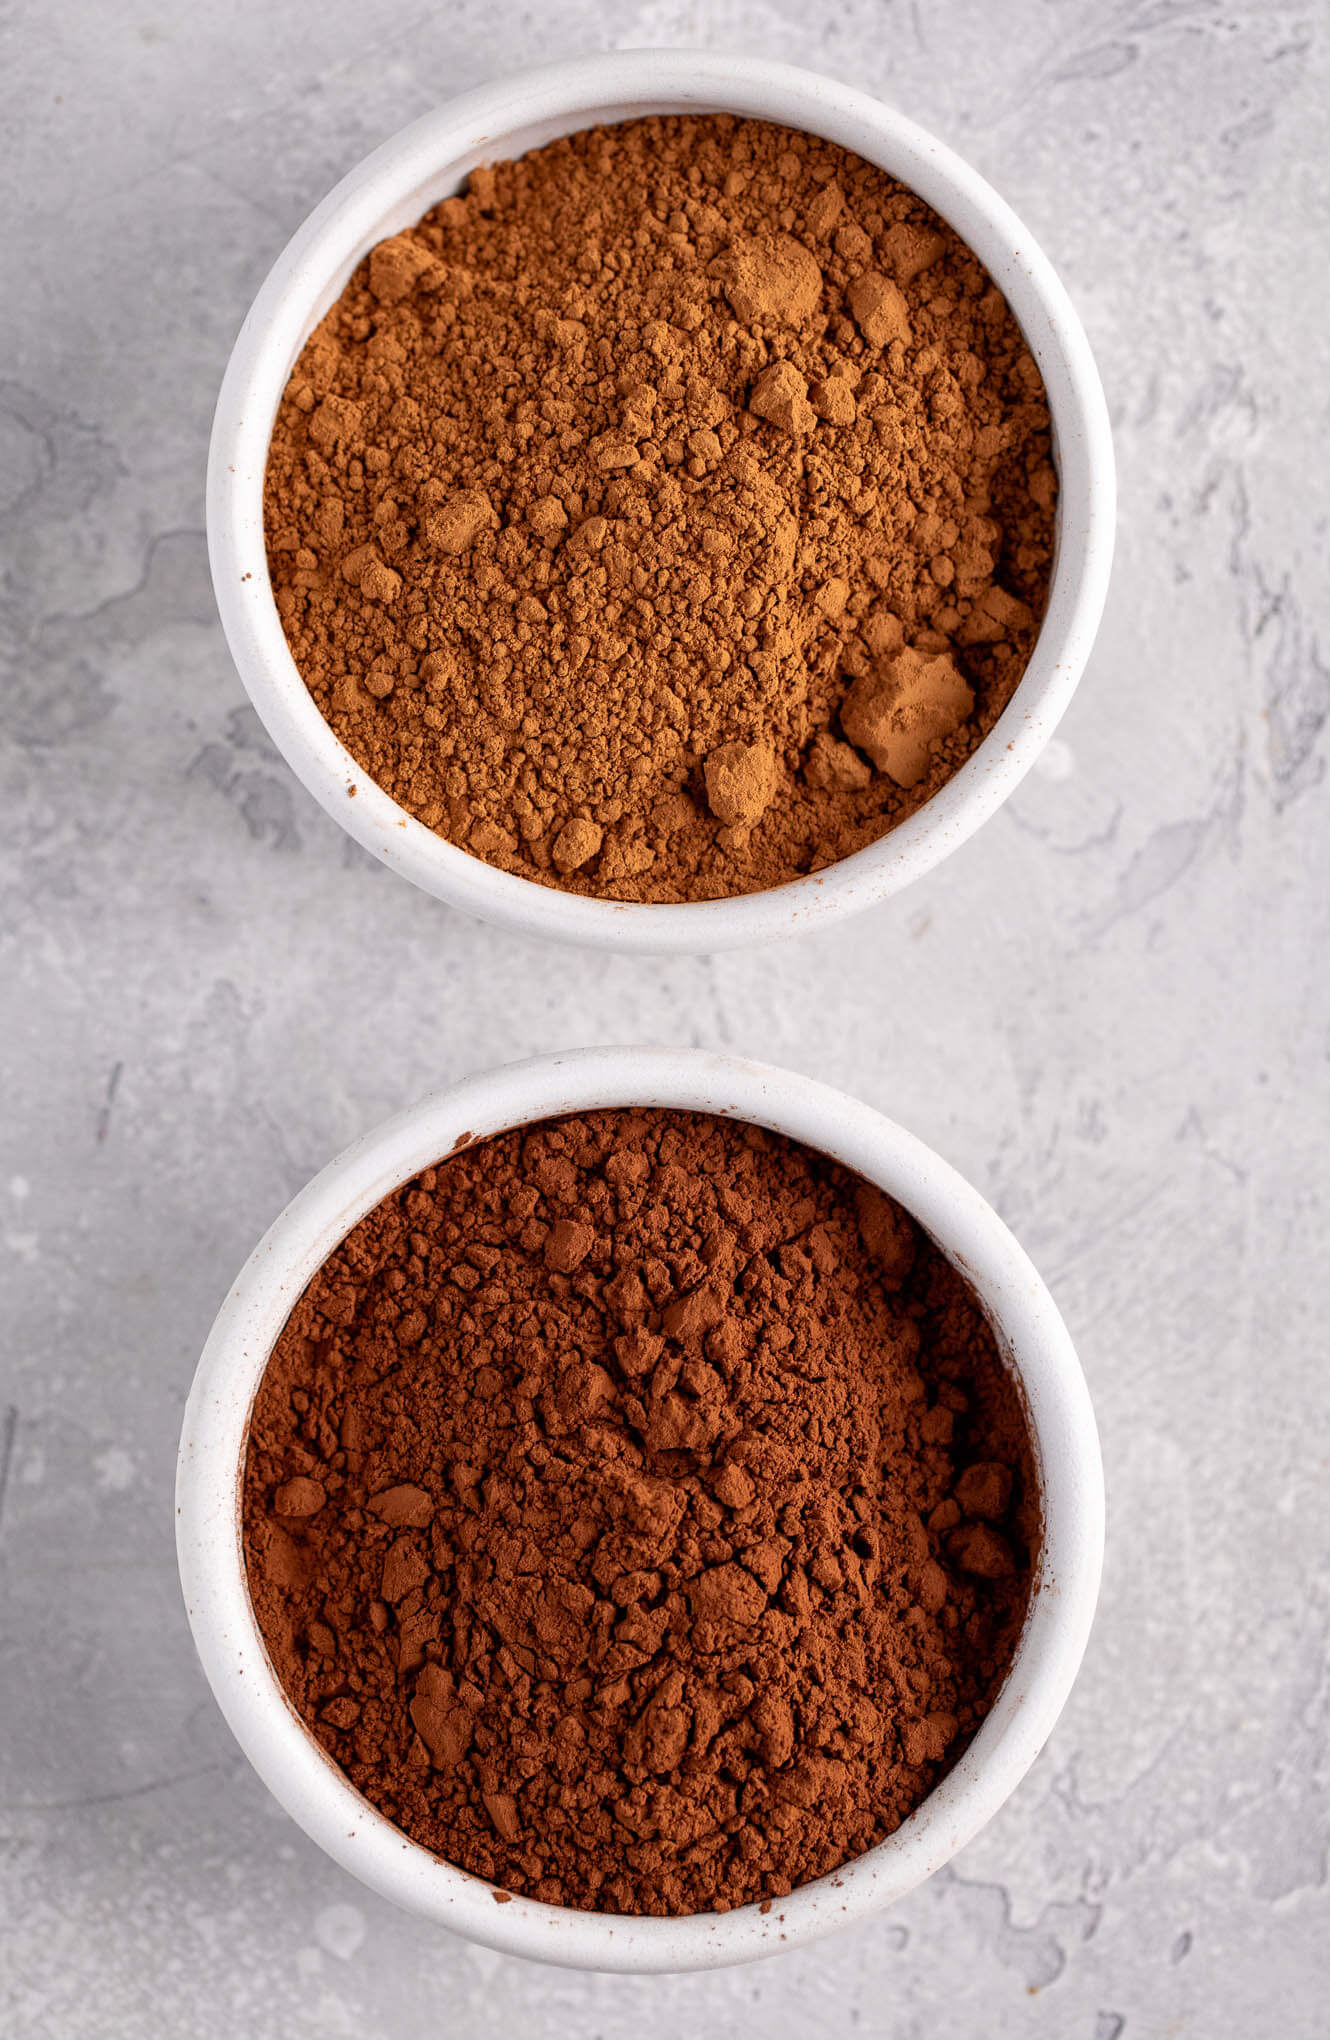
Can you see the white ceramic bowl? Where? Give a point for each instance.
(1031, 1335)
(427, 162)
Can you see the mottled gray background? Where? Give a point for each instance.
(1109, 1010)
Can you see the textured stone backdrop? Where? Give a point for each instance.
(1110, 1010)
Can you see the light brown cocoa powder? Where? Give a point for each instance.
(668, 516)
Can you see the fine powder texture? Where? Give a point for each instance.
(637, 1509)
(670, 515)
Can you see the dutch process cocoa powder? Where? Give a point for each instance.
(668, 516)
(637, 1510)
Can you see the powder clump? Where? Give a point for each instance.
(740, 781)
(896, 713)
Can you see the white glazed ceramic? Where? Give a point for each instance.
(430, 160)
(972, 1236)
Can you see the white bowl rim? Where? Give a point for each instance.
(398, 182)
(208, 1491)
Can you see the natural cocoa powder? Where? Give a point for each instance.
(637, 1509)
(668, 516)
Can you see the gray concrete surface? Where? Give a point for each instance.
(1110, 1010)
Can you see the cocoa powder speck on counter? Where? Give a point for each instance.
(668, 516)
(638, 1511)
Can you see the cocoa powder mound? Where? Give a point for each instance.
(670, 515)
(638, 1511)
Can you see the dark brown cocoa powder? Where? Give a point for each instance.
(670, 515)
(637, 1509)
